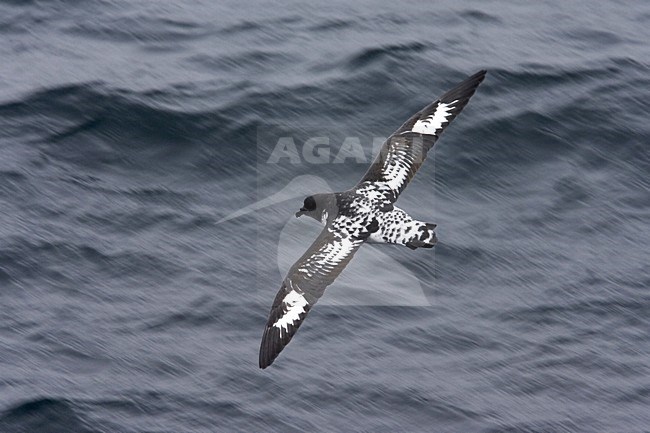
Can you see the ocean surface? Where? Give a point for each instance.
(153, 153)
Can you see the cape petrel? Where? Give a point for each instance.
(365, 213)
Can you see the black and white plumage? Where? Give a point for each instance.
(365, 213)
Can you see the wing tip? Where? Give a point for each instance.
(273, 343)
(477, 76)
(275, 339)
(269, 348)
(465, 89)
(481, 72)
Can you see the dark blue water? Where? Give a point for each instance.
(129, 129)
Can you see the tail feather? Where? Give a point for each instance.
(424, 237)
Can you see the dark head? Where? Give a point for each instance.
(315, 205)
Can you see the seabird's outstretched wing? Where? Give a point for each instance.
(403, 153)
(303, 286)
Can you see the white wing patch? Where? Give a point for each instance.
(321, 262)
(430, 124)
(332, 255)
(296, 304)
(338, 251)
(396, 168)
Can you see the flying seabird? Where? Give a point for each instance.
(365, 213)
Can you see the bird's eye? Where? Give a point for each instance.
(310, 203)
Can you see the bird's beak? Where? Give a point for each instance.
(300, 212)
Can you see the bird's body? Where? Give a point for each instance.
(365, 213)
